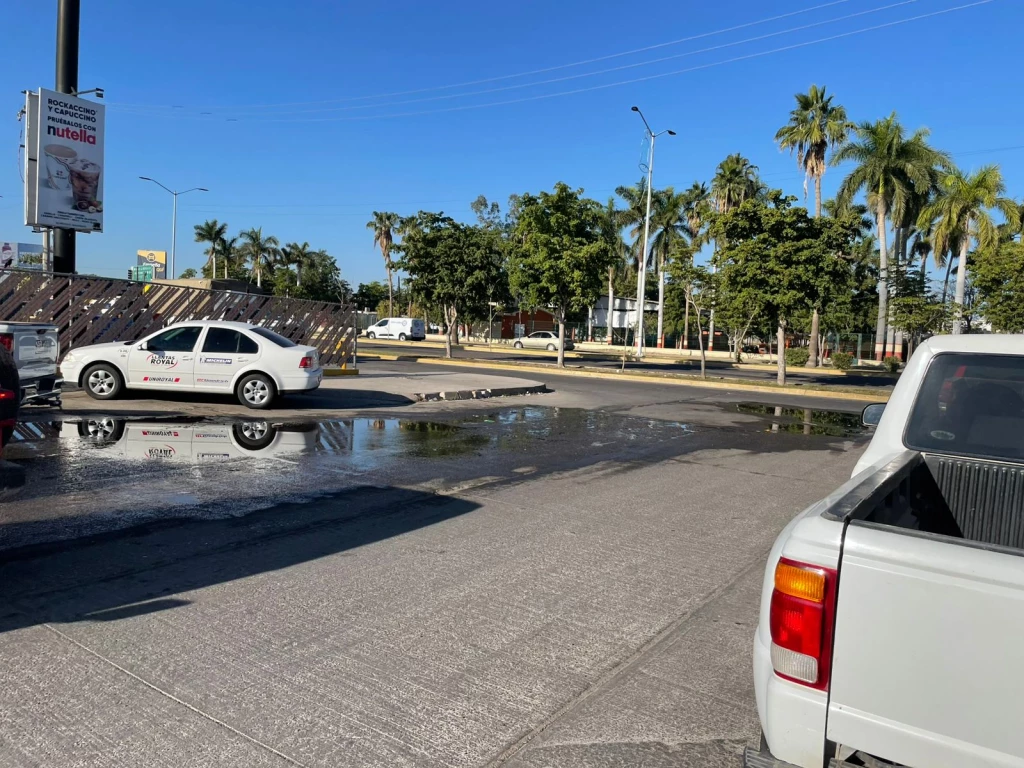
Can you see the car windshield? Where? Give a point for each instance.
(269, 335)
(972, 405)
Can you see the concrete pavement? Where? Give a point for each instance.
(569, 579)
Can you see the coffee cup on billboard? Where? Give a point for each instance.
(58, 158)
(85, 183)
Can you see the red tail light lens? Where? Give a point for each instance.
(7, 341)
(800, 619)
(306, 362)
(6, 394)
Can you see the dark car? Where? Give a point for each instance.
(10, 390)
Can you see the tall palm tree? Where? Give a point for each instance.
(961, 212)
(611, 230)
(697, 209)
(633, 215)
(212, 232)
(229, 252)
(889, 168)
(670, 233)
(262, 252)
(295, 255)
(815, 127)
(383, 225)
(735, 180)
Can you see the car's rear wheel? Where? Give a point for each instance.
(255, 391)
(103, 382)
(552, 347)
(518, 345)
(101, 431)
(402, 337)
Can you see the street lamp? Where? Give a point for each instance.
(641, 282)
(174, 215)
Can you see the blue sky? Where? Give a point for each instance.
(315, 168)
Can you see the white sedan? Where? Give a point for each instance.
(254, 363)
(542, 340)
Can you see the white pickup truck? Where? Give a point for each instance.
(35, 348)
(891, 629)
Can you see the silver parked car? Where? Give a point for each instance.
(542, 340)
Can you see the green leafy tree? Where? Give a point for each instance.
(370, 295)
(889, 168)
(815, 126)
(560, 253)
(384, 224)
(777, 257)
(189, 274)
(701, 286)
(454, 267)
(611, 231)
(918, 317)
(961, 213)
(212, 232)
(262, 252)
(997, 274)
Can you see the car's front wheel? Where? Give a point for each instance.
(402, 337)
(255, 391)
(371, 335)
(518, 345)
(103, 382)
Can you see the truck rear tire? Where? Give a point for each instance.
(102, 381)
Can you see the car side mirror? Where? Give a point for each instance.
(143, 345)
(872, 414)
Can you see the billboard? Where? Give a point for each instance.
(21, 255)
(67, 185)
(157, 260)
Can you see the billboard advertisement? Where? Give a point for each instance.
(21, 255)
(157, 260)
(68, 181)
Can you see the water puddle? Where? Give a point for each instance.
(805, 421)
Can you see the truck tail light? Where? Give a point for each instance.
(6, 394)
(306, 362)
(801, 618)
(7, 341)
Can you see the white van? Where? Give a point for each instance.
(401, 328)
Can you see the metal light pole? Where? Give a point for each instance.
(174, 217)
(641, 282)
(68, 12)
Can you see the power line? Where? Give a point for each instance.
(549, 81)
(632, 81)
(504, 77)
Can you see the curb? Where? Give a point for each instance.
(341, 372)
(877, 397)
(481, 394)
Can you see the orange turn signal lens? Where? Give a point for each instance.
(805, 583)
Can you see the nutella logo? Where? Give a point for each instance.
(71, 134)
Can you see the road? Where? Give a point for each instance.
(715, 368)
(563, 579)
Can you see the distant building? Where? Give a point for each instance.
(623, 313)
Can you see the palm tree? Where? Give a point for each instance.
(670, 231)
(261, 251)
(611, 230)
(383, 225)
(814, 127)
(889, 168)
(295, 255)
(961, 213)
(697, 209)
(735, 180)
(229, 251)
(633, 215)
(212, 232)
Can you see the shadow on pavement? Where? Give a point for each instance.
(146, 569)
(321, 399)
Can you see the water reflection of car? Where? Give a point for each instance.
(542, 340)
(169, 441)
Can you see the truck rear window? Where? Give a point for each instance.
(970, 405)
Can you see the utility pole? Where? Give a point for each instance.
(68, 12)
(642, 261)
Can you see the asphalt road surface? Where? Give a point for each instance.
(715, 368)
(565, 579)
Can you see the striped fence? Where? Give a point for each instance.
(92, 310)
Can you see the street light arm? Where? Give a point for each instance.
(146, 178)
(648, 127)
(194, 189)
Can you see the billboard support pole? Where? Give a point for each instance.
(68, 12)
